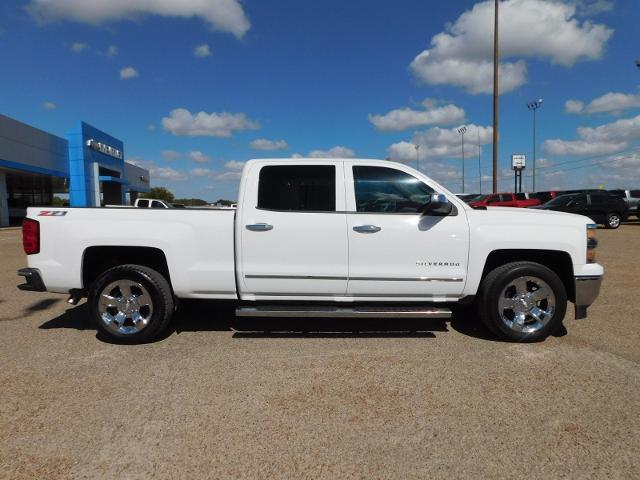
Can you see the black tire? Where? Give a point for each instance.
(500, 278)
(159, 291)
(613, 220)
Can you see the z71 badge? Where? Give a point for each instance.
(52, 213)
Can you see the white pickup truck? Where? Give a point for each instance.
(329, 238)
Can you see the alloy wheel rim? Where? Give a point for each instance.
(125, 307)
(526, 304)
(614, 221)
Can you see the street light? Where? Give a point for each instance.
(417, 147)
(533, 106)
(462, 131)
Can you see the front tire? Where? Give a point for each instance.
(131, 304)
(613, 220)
(522, 302)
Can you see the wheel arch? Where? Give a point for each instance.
(557, 261)
(98, 259)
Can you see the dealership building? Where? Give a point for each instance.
(87, 166)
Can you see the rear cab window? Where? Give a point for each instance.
(297, 188)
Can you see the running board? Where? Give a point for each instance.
(341, 312)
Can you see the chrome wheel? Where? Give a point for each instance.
(614, 221)
(125, 307)
(526, 304)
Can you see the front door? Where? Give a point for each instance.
(293, 232)
(395, 251)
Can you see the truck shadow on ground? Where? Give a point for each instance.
(203, 316)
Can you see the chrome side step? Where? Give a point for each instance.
(343, 312)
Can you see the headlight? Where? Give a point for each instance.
(592, 242)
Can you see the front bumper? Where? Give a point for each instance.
(587, 290)
(33, 279)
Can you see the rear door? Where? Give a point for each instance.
(394, 251)
(292, 231)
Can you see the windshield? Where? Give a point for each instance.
(560, 201)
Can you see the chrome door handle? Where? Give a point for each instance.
(367, 228)
(259, 227)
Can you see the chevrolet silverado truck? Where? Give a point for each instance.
(319, 238)
(518, 200)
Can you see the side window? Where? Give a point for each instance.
(387, 190)
(635, 193)
(156, 204)
(298, 188)
(143, 203)
(598, 199)
(521, 196)
(579, 201)
(506, 197)
(493, 199)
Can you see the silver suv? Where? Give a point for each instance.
(632, 198)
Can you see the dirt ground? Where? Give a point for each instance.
(311, 398)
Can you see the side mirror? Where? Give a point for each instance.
(438, 205)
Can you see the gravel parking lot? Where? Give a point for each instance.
(311, 398)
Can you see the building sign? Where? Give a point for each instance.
(104, 148)
(518, 162)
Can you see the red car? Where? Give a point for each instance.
(506, 200)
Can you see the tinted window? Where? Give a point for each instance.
(387, 190)
(298, 188)
(143, 203)
(521, 196)
(618, 193)
(156, 204)
(635, 193)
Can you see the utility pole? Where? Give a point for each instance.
(496, 59)
(533, 106)
(417, 147)
(462, 131)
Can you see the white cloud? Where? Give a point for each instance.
(49, 106)
(588, 8)
(158, 173)
(436, 143)
(223, 15)
(234, 165)
(334, 152)
(128, 72)
(612, 102)
(405, 118)
(573, 106)
(462, 55)
(605, 139)
(170, 155)
(229, 176)
(112, 51)
(266, 144)
(198, 156)
(182, 122)
(202, 51)
(200, 172)
(78, 47)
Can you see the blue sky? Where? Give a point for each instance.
(368, 79)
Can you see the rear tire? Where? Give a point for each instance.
(613, 221)
(131, 304)
(522, 302)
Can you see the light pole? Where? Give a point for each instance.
(533, 106)
(462, 131)
(417, 147)
(479, 155)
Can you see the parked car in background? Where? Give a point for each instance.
(151, 203)
(632, 199)
(518, 200)
(602, 207)
(544, 197)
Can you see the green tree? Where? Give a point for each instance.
(159, 193)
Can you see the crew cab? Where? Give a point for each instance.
(318, 237)
(518, 200)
